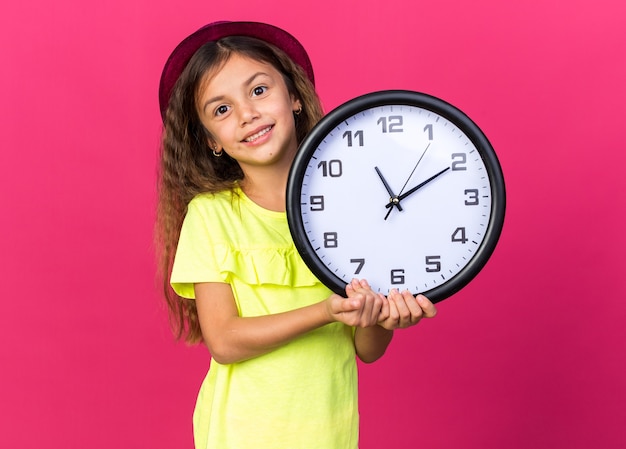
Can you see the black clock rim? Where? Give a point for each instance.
(406, 98)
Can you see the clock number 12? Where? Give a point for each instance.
(392, 124)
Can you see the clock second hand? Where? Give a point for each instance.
(395, 200)
(416, 188)
(414, 168)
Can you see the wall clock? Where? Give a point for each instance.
(399, 188)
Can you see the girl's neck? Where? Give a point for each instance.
(266, 184)
(266, 189)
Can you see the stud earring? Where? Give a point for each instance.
(215, 152)
(298, 111)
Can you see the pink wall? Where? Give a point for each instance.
(530, 355)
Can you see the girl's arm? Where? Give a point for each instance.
(371, 342)
(231, 338)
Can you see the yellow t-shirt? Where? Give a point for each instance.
(302, 395)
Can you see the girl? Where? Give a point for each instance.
(236, 100)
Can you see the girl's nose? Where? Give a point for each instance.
(247, 113)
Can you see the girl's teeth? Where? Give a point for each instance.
(257, 135)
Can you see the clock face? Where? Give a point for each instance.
(398, 188)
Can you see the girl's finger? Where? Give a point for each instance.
(413, 306)
(428, 307)
(384, 310)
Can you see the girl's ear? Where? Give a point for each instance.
(212, 145)
(215, 149)
(297, 106)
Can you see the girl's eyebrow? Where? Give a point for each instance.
(221, 97)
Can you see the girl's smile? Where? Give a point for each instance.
(257, 135)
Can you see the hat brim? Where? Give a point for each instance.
(181, 55)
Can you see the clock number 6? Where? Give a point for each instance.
(397, 276)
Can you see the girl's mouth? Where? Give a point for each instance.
(255, 136)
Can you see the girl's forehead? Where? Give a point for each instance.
(236, 70)
(238, 65)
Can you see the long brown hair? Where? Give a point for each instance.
(187, 167)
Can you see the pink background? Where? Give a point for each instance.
(530, 355)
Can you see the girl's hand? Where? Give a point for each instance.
(403, 310)
(362, 307)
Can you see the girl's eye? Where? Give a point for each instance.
(221, 110)
(259, 90)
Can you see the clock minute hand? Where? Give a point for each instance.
(417, 187)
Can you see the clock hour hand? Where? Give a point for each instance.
(392, 196)
(415, 189)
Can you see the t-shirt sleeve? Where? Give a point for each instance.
(198, 255)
